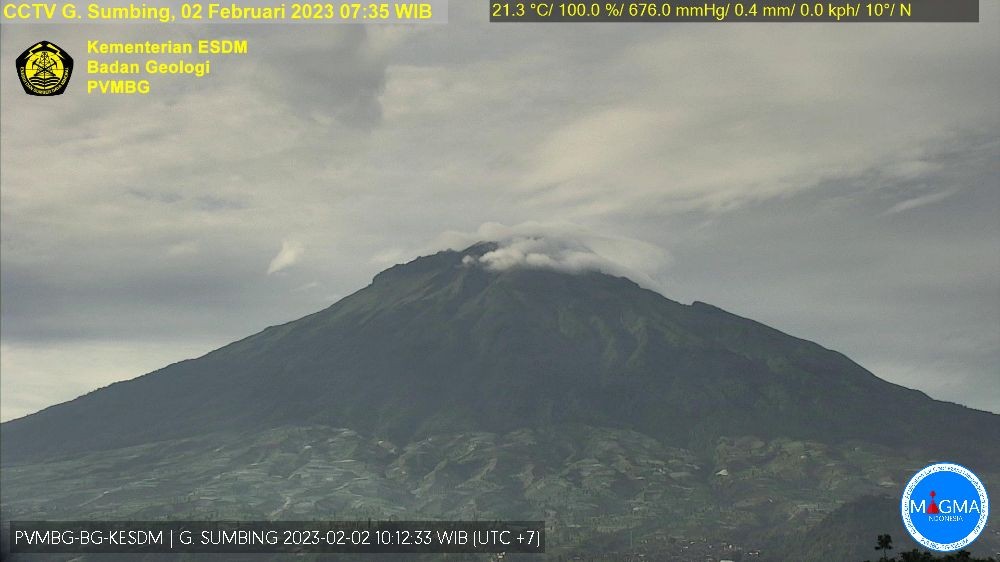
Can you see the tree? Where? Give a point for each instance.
(885, 545)
(916, 556)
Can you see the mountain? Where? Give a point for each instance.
(443, 373)
(437, 344)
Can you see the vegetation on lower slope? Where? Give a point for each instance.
(600, 490)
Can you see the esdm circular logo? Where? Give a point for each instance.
(945, 507)
(44, 69)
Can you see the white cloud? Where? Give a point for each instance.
(289, 254)
(920, 201)
(780, 118)
(563, 247)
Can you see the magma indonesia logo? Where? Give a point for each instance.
(44, 69)
(945, 507)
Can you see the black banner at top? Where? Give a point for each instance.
(694, 11)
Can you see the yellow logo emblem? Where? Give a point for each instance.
(44, 69)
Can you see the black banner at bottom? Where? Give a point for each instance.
(262, 537)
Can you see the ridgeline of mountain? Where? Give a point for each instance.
(438, 345)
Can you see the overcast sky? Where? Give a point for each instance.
(837, 182)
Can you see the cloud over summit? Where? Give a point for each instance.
(563, 247)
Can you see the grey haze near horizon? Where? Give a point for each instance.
(837, 182)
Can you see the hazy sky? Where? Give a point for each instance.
(837, 182)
